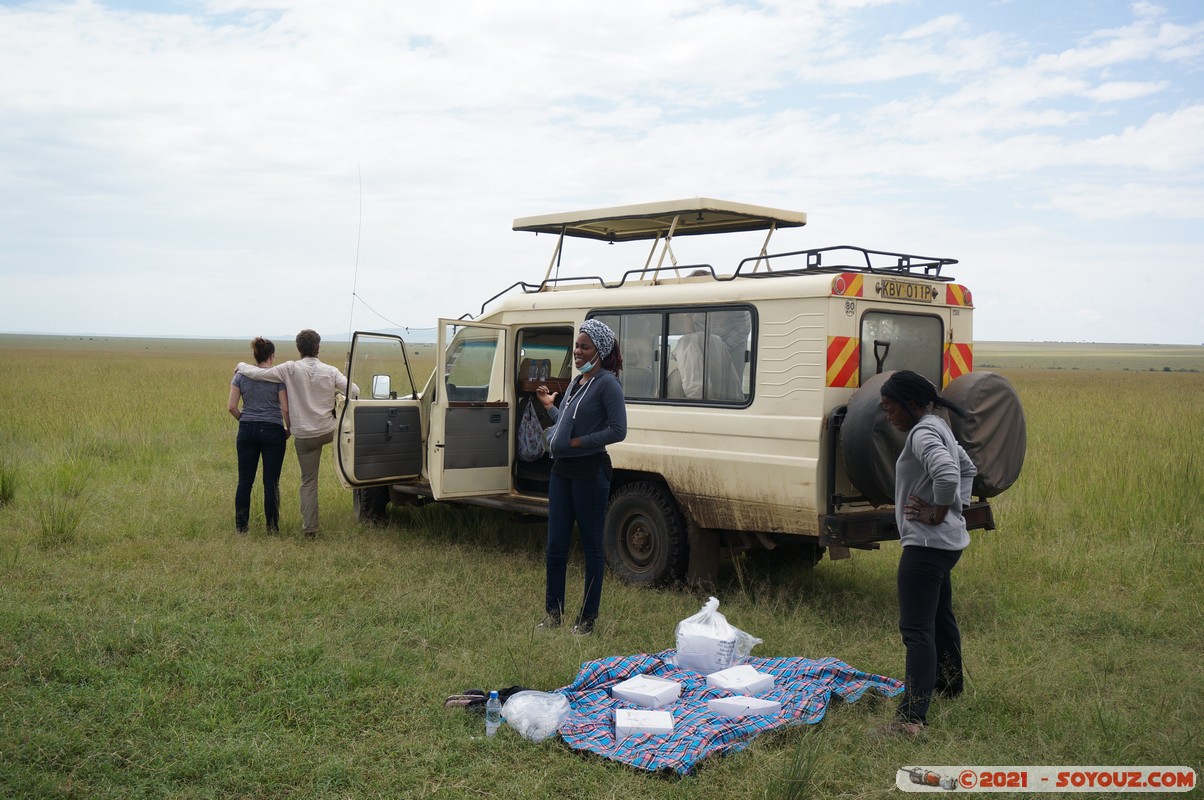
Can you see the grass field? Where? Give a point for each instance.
(146, 651)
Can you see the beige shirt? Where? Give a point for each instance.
(311, 387)
(705, 364)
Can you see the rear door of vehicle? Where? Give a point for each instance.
(379, 437)
(471, 443)
(902, 324)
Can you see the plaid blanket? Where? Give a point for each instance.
(803, 686)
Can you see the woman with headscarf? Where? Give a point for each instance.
(933, 480)
(592, 416)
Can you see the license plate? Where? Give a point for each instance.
(903, 290)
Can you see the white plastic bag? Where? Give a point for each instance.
(535, 715)
(706, 643)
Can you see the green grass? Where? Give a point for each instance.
(1061, 355)
(147, 651)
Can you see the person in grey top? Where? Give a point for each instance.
(261, 409)
(933, 480)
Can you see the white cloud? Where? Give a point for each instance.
(1114, 91)
(143, 149)
(943, 25)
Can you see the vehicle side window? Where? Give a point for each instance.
(638, 334)
(699, 355)
(380, 369)
(891, 341)
(470, 364)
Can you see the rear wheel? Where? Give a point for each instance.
(645, 535)
(371, 504)
(793, 555)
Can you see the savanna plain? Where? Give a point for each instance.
(146, 651)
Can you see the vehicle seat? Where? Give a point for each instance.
(673, 386)
(638, 382)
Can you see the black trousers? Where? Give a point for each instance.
(929, 629)
(258, 440)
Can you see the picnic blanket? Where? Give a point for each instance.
(803, 686)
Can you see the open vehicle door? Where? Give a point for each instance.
(379, 438)
(471, 439)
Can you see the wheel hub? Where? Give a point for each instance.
(639, 539)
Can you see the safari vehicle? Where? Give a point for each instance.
(774, 438)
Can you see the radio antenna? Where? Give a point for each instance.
(359, 228)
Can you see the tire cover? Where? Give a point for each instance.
(993, 433)
(871, 445)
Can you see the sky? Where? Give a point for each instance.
(230, 169)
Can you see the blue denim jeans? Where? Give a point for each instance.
(929, 629)
(256, 440)
(583, 502)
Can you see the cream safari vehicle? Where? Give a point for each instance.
(752, 393)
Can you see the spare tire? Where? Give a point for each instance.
(871, 445)
(993, 433)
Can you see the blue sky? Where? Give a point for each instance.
(228, 168)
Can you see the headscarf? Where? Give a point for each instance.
(602, 336)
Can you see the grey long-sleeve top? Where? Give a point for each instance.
(935, 468)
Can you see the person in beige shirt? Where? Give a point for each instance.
(706, 368)
(311, 389)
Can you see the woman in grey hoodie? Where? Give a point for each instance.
(933, 480)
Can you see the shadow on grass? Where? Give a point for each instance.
(833, 594)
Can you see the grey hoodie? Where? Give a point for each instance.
(596, 412)
(935, 468)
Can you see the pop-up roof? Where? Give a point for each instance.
(667, 219)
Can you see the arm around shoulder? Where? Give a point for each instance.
(255, 373)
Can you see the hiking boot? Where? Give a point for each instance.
(550, 621)
(898, 727)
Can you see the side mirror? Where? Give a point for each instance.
(380, 387)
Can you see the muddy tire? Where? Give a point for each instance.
(801, 555)
(993, 433)
(871, 445)
(645, 535)
(371, 504)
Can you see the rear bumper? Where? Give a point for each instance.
(866, 528)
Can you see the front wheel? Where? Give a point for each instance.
(645, 535)
(371, 504)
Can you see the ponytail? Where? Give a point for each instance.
(908, 388)
(614, 360)
(262, 349)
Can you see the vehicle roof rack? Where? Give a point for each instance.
(846, 257)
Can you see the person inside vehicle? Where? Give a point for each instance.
(705, 365)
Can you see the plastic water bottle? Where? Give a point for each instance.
(493, 713)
